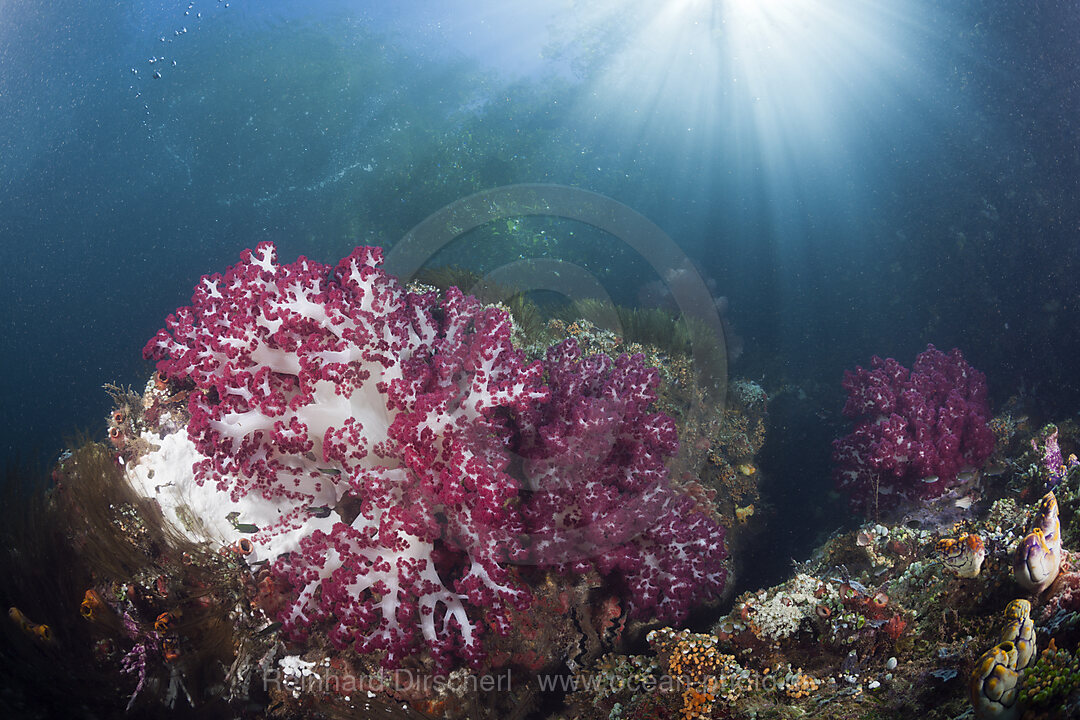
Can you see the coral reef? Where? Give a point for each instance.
(378, 426)
(889, 620)
(337, 495)
(268, 518)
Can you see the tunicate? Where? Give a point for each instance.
(890, 664)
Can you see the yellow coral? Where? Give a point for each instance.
(797, 685)
(742, 514)
(697, 665)
(697, 705)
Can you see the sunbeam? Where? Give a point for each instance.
(785, 93)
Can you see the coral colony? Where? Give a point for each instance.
(341, 496)
(1057, 468)
(401, 466)
(916, 430)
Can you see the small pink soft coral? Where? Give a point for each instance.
(915, 430)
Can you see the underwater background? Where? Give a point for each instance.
(852, 179)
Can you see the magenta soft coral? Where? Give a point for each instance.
(411, 457)
(323, 388)
(915, 430)
(595, 459)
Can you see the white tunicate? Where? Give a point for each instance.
(890, 664)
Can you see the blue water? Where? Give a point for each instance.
(856, 178)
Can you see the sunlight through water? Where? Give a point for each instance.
(785, 93)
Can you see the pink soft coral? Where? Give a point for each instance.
(595, 456)
(412, 456)
(915, 430)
